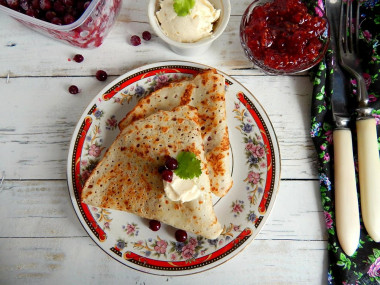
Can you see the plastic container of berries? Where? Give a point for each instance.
(85, 30)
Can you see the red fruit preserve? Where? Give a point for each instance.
(283, 35)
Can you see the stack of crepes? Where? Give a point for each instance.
(188, 115)
(363, 267)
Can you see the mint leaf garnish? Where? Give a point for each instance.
(189, 166)
(183, 7)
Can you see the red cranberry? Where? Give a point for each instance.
(68, 19)
(146, 36)
(161, 168)
(68, 3)
(32, 12)
(167, 175)
(78, 58)
(45, 5)
(73, 89)
(59, 7)
(80, 5)
(101, 75)
(50, 15)
(54, 11)
(24, 4)
(56, 21)
(180, 235)
(13, 4)
(154, 225)
(36, 4)
(135, 40)
(171, 163)
(86, 4)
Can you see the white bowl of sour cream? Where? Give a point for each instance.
(191, 34)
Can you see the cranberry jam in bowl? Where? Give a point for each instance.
(284, 37)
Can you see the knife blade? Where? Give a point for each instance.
(346, 197)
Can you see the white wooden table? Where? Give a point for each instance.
(41, 239)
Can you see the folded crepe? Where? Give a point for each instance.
(206, 92)
(127, 177)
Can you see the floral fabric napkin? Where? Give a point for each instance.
(364, 266)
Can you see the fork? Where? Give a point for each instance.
(368, 154)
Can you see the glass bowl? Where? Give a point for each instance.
(278, 42)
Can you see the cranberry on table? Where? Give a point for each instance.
(180, 235)
(73, 89)
(101, 75)
(135, 40)
(78, 58)
(154, 225)
(146, 36)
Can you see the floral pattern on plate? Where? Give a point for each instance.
(242, 212)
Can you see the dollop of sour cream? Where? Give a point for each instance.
(190, 28)
(183, 190)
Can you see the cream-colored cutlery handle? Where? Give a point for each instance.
(369, 176)
(346, 196)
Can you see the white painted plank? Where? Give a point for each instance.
(79, 261)
(26, 53)
(38, 116)
(44, 209)
(41, 239)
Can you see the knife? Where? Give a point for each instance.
(346, 197)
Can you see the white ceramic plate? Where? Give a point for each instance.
(243, 211)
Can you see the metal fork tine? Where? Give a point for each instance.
(342, 32)
(356, 47)
(349, 22)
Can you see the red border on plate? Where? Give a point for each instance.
(188, 264)
(100, 234)
(264, 200)
(129, 80)
(157, 264)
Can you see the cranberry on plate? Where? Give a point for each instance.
(154, 225)
(180, 235)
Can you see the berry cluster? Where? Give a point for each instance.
(180, 235)
(284, 35)
(58, 12)
(101, 75)
(136, 41)
(167, 170)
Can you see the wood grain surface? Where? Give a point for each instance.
(41, 239)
